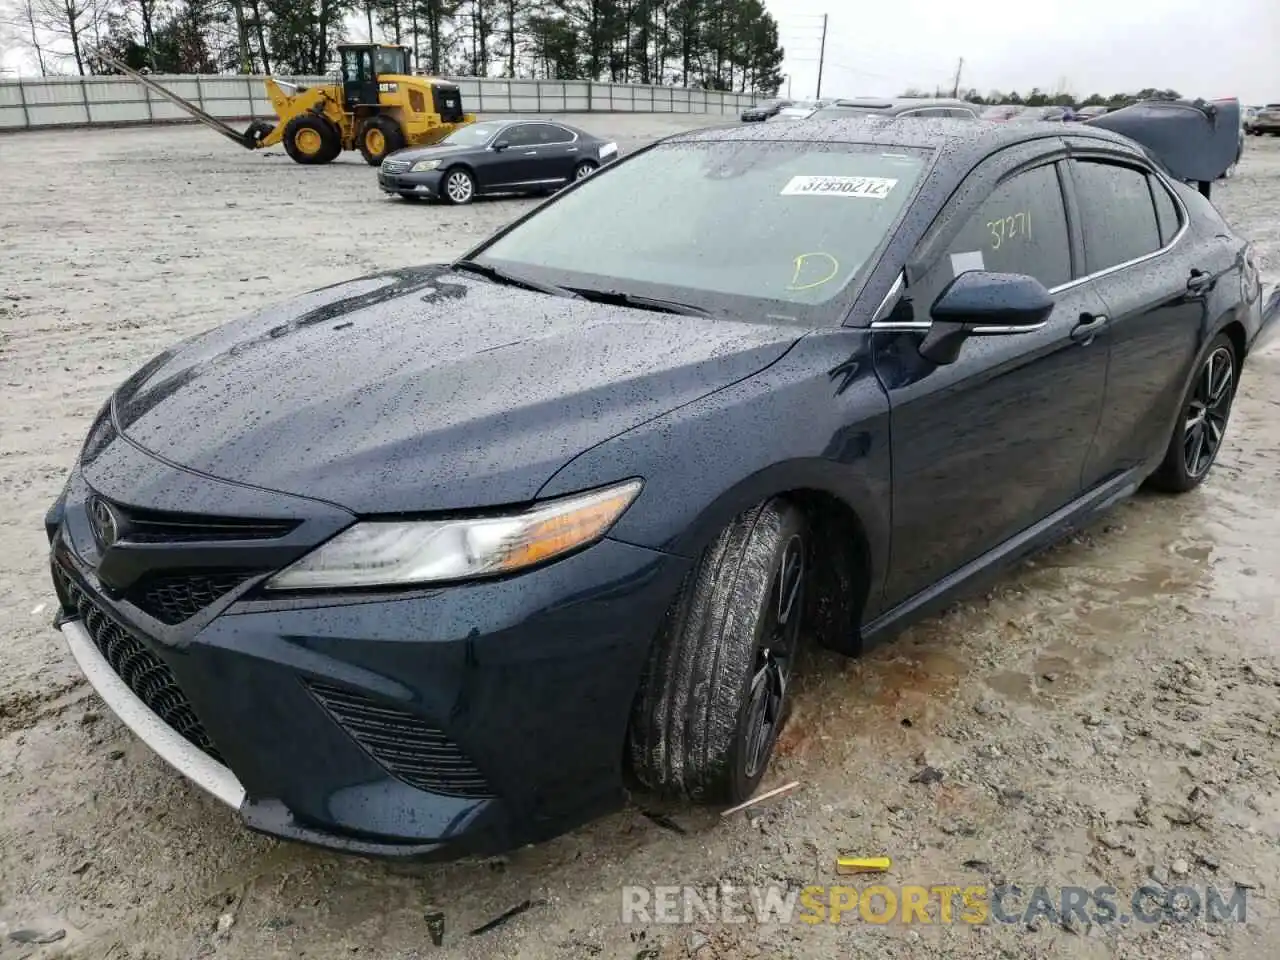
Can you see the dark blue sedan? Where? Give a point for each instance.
(433, 561)
(496, 156)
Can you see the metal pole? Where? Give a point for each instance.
(822, 54)
(955, 88)
(22, 102)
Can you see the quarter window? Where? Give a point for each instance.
(1020, 228)
(1118, 217)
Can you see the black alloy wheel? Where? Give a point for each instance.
(1202, 421)
(1207, 412)
(763, 717)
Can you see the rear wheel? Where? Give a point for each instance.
(459, 186)
(1202, 421)
(379, 136)
(584, 169)
(714, 696)
(310, 139)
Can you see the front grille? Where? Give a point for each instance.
(155, 526)
(172, 599)
(448, 104)
(395, 166)
(144, 673)
(406, 745)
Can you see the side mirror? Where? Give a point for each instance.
(980, 303)
(500, 145)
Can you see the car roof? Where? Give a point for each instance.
(899, 103)
(504, 122)
(963, 142)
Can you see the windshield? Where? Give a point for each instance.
(732, 227)
(391, 60)
(473, 134)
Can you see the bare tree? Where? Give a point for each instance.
(75, 21)
(21, 22)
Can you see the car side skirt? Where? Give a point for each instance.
(1048, 531)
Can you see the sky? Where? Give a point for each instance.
(1201, 48)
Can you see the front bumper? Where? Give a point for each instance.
(465, 720)
(411, 184)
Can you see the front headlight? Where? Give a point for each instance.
(399, 553)
(422, 166)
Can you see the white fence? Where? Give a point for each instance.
(103, 100)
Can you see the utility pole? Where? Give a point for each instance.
(822, 52)
(955, 87)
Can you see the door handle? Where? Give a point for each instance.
(531, 153)
(1199, 280)
(1090, 326)
(572, 150)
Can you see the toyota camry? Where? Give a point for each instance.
(443, 560)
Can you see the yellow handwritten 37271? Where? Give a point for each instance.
(1009, 228)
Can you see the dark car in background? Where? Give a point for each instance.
(495, 156)
(435, 561)
(763, 110)
(904, 107)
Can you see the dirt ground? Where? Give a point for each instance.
(1109, 714)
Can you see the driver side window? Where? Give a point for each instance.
(1020, 228)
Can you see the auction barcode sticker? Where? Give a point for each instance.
(873, 188)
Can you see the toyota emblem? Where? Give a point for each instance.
(106, 528)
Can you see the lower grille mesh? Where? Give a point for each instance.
(173, 599)
(406, 745)
(145, 673)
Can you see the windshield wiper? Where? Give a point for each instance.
(498, 275)
(623, 299)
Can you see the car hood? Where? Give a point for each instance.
(414, 154)
(426, 389)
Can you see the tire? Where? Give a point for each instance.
(585, 169)
(458, 186)
(257, 130)
(1202, 417)
(378, 137)
(727, 648)
(310, 139)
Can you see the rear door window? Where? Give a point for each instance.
(1118, 216)
(520, 135)
(1020, 228)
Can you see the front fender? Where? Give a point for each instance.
(817, 420)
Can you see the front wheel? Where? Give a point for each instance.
(459, 187)
(714, 696)
(1202, 421)
(379, 137)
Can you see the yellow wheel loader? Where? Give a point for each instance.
(377, 107)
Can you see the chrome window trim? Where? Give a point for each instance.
(906, 326)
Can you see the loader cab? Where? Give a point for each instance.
(363, 64)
